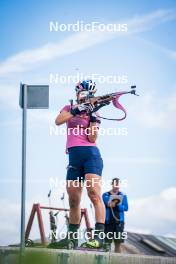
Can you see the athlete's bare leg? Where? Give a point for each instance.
(74, 194)
(93, 185)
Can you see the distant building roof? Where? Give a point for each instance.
(150, 245)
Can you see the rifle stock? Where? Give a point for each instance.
(107, 97)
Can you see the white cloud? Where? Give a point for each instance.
(29, 59)
(172, 54)
(154, 214)
(7, 94)
(155, 111)
(169, 53)
(9, 222)
(151, 20)
(131, 160)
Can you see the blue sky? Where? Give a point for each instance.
(146, 54)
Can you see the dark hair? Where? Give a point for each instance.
(115, 180)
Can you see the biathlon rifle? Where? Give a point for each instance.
(111, 97)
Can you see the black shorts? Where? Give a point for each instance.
(83, 160)
(114, 231)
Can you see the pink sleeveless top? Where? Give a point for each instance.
(76, 130)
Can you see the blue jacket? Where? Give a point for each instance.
(118, 208)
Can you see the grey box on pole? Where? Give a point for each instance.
(37, 96)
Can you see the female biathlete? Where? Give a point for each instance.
(85, 162)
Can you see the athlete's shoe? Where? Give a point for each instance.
(93, 243)
(64, 244)
(71, 240)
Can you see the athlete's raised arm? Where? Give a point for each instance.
(63, 117)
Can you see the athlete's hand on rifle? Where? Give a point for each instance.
(89, 108)
(81, 108)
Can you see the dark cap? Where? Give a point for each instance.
(115, 179)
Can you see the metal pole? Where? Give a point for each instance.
(23, 185)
